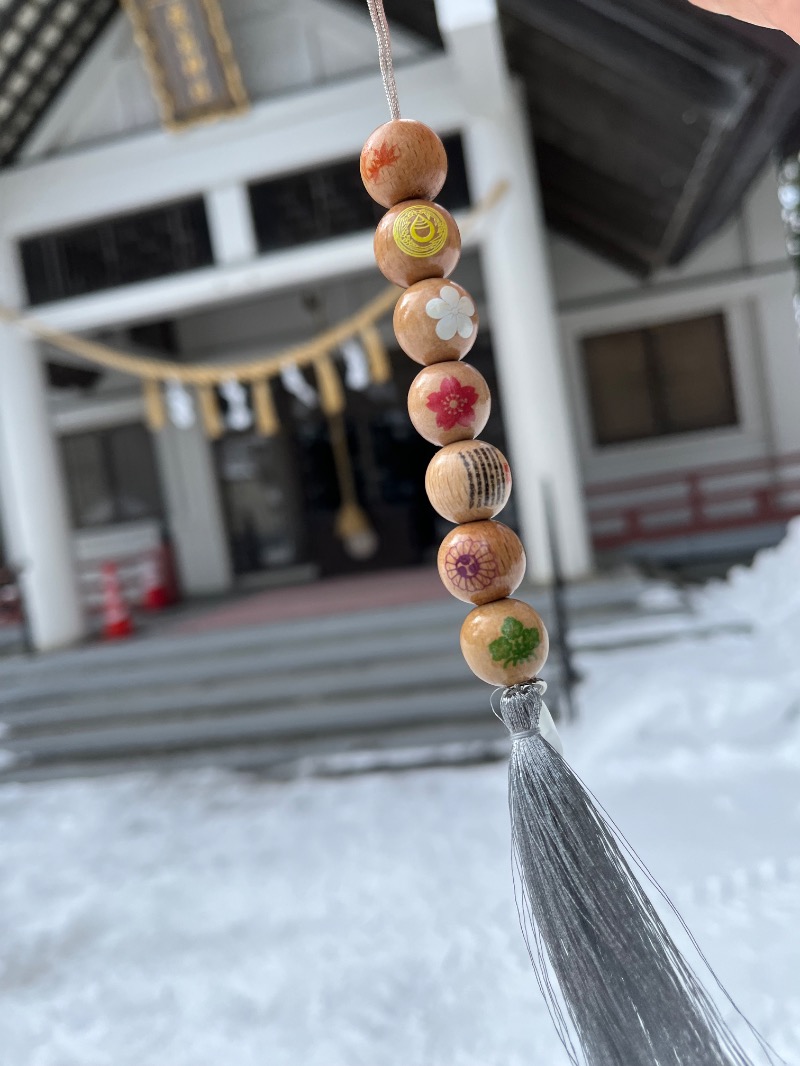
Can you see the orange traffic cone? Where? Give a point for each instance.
(156, 592)
(117, 621)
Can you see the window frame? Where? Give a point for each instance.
(104, 434)
(633, 309)
(44, 256)
(653, 368)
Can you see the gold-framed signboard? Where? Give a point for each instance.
(189, 58)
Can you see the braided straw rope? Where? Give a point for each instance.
(204, 373)
(269, 366)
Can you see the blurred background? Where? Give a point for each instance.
(230, 833)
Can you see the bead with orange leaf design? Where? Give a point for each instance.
(403, 160)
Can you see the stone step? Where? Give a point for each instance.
(432, 743)
(339, 652)
(258, 654)
(272, 697)
(335, 719)
(163, 648)
(283, 687)
(589, 601)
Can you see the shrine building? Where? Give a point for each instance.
(633, 283)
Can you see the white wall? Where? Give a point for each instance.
(742, 272)
(280, 47)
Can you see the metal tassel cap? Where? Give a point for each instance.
(521, 708)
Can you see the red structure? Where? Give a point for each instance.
(711, 499)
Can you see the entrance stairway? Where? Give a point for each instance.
(377, 687)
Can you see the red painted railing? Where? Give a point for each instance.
(689, 502)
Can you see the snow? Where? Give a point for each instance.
(764, 594)
(203, 918)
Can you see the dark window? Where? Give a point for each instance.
(111, 476)
(331, 201)
(672, 378)
(116, 251)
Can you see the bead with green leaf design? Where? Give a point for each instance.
(516, 643)
(504, 642)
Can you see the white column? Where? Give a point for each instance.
(524, 323)
(193, 504)
(34, 502)
(11, 538)
(230, 223)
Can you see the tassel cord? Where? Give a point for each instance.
(642, 867)
(608, 969)
(555, 845)
(541, 970)
(614, 960)
(529, 926)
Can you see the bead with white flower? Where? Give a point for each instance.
(435, 321)
(454, 313)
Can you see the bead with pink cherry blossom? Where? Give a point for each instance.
(449, 402)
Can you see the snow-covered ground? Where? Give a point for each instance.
(204, 919)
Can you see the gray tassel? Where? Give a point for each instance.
(626, 991)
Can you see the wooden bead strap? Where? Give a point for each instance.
(616, 985)
(417, 246)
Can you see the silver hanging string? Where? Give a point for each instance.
(378, 16)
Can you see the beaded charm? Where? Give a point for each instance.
(417, 239)
(481, 561)
(403, 160)
(615, 983)
(435, 321)
(468, 481)
(449, 402)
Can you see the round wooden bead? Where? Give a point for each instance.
(449, 402)
(481, 561)
(403, 160)
(504, 642)
(435, 321)
(417, 239)
(468, 481)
